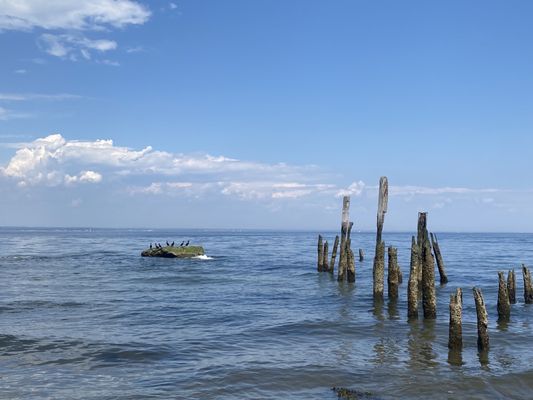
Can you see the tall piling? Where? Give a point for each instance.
(361, 255)
(351, 261)
(511, 286)
(504, 306)
(320, 247)
(528, 288)
(440, 261)
(392, 276)
(379, 257)
(421, 231)
(482, 321)
(412, 285)
(325, 261)
(455, 334)
(345, 225)
(379, 270)
(429, 301)
(333, 254)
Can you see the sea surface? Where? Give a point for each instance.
(83, 316)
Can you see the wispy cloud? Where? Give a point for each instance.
(6, 114)
(66, 22)
(37, 96)
(20, 71)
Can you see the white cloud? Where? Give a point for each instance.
(26, 15)
(420, 190)
(355, 189)
(67, 19)
(20, 71)
(172, 6)
(71, 46)
(33, 162)
(37, 96)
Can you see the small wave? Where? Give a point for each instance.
(204, 257)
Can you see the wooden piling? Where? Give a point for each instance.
(421, 231)
(320, 254)
(482, 321)
(379, 257)
(333, 254)
(504, 306)
(345, 226)
(455, 335)
(392, 276)
(399, 273)
(412, 286)
(511, 286)
(429, 301)
(351, 262)
(325, 252)
(361, 255)
(379, 270)
(440, 261)
(528, 288)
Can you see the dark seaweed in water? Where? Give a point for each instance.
(91, 319)
(352, 394)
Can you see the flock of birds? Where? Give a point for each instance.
(158, 245)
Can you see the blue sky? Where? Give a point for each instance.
(260, 114)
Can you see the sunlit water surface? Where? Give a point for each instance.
(83, 316)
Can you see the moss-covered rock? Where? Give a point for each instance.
(174, 252)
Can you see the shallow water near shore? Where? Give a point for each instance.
(83, 316)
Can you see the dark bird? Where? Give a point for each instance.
(182, 243)
(172, 244)
(167, 243)
(186, 244)
(150, 245)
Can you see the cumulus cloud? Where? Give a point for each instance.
(69, 20)
(26, 15)
(355, 189)
(54, 160)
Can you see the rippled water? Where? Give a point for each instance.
(83, 316)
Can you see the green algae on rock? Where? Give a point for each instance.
(174, 252)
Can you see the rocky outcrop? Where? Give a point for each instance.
(174, 252)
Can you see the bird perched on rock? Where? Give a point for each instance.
(167, 243)
(150, 246)
(172, 244)
(186, 244)
(182, 243)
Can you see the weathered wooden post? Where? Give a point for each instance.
(482, 321)
(344, 236)
(421, 231)
(440, 261)
(455, 336)
(528, 288)
(320, 254)
(378, 270)
(325, 252)
(429, 301)
(392, 276)
(511, 286)
(399, 273)
(351, 261)
(361, 255)
(334, 254)
(504, 306)
(412, 286)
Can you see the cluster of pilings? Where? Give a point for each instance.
(346, 267)
(425, 253)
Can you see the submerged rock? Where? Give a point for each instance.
(174, 252)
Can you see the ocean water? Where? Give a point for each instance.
(83, 316)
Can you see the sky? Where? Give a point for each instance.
(263, 114)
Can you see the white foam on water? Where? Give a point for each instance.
(204, 257)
